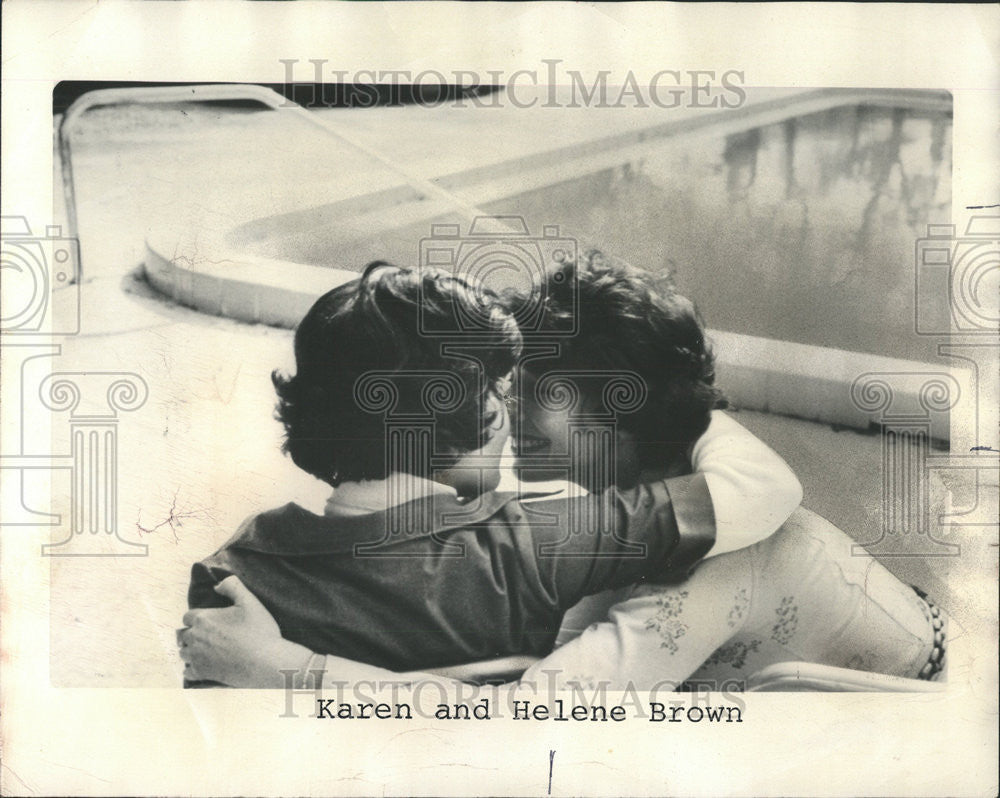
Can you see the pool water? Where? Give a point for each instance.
(802, 230)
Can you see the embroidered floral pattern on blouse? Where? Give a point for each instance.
(788, 620)
(734, 654)
(739, 608)
(667, 622)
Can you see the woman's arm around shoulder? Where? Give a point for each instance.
(753, 490)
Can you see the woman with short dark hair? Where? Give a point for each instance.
(368, 326)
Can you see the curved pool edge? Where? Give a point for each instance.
(800, 380)
(212, 278)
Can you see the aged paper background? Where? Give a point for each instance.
(162, 741)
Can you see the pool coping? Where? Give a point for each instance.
(834, 386)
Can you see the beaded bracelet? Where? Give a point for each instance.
(935, 663)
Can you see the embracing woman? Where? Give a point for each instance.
(755, 599)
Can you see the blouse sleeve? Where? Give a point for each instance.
(658, 636)
(753, 490)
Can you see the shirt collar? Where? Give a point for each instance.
(377, 495)
(547, 489)
(368, 496)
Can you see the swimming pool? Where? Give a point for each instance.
(792, 222)
(801, 230)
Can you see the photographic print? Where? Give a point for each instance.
(624, 397)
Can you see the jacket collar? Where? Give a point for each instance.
(292, 530)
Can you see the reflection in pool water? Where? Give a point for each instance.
(802, 230)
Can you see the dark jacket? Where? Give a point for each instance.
(466, 582)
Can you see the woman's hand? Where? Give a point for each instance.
(241, 645)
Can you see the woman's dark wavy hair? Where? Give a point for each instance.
(374, 324)
(633, 320)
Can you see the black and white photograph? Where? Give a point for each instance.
(358, 367)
